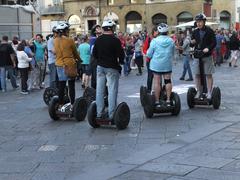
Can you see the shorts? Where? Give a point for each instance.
(208, 65)
(61, 74)
(86, 69)
(235, 54)
(161, 73)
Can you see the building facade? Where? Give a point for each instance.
(136, 15)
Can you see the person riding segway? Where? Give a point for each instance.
(204, 41)
(161, 53)
(109, 55)
(66, 57)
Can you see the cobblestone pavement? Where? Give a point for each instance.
(199, 144)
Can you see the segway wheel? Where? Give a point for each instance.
(80, 109)
(90, 95)
(190, 97)
(121, 116)
(149, 106)
(48, 94)
(176, 102)
(216, 97)
(52, 108)
(92, 114)
(143, 94)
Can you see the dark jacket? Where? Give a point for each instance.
(208, 41)
(108, 52)
(234, 43)
(5, 55)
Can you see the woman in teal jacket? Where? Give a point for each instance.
(161, 53)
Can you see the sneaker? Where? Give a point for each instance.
(209, 96)
(168, 103)
(16, 87)
(24, 92)
(235, 66)
(157, 105)
(139, 74)
(190, 79)
(181, 78)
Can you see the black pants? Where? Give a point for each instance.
(139, 62)
(71, 91)
(24, 78)
(149, 77)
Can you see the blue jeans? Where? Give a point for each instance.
(52, 75)
(10, 70)
(127, 64)
(187, 67)
(111, 76)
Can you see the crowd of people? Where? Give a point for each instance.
(31, 59)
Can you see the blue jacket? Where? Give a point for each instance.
(161, 53)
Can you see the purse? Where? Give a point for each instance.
(71, 71)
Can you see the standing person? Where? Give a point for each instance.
(7, 63)
(129, 55)
(66, 55)
(40, 48)
(52, 59)
(203, 38)
(95, 33)
(23, 66)
(219, 44)
(138, 53)
(234, 46)
(147, 42)
(109, 55)
(30, 54)
(161, 53)
(186, 56)
(84, 51)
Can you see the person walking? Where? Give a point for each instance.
(186, 54)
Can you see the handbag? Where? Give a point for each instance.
(71, 71)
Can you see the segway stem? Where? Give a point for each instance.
(202, 76)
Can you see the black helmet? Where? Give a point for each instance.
(200, 16)
(54, 29)
(93, 30)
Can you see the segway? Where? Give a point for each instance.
(120, 119)
(202, 99)
(49, 92)
(150, 108)
(79, 110)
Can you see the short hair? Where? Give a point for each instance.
(5, 38)
(41, 36)
(20, 47)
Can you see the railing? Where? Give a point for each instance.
(55, 9)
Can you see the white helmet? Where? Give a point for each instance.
(63, 26)
(108, 23)
(162, 28)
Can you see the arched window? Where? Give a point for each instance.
(133, 21)
(184, 17)
(159, 18)
(225, 19)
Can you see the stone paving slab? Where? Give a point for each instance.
(214, 174)
(167, 168)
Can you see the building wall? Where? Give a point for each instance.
(19, 22)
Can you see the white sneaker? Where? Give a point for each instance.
(209, 96)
